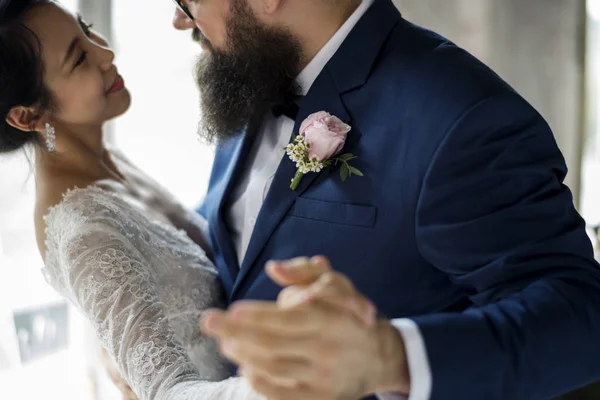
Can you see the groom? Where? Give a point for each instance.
(460, 232)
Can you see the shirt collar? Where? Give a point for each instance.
(310, 73)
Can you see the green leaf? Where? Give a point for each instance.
(344, 172)
(355, 171)
(346, 157)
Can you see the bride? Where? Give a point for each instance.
(131, 258)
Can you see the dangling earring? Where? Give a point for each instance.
(50, 137)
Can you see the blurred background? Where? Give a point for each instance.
(549, 50)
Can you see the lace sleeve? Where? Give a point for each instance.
(196, 228)
(98, 268)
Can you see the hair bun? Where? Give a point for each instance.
(12, 139)
(21, 72)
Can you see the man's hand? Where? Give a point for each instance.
(313, 348)
(314, 281)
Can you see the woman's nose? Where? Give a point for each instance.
(107, 58)
(181, 21)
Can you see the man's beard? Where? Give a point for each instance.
(239, 85)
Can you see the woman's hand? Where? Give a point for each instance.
(116, 377)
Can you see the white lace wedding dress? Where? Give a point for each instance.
(143, 285)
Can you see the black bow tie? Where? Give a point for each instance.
(289, 109)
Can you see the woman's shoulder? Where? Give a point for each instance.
(66, 214)
(94, 203)
(52, 197)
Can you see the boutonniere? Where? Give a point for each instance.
(317, 146)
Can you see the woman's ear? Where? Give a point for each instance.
(25, 119)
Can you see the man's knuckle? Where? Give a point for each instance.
(329, 278)
(284, 293)
(336, 320)
(255, 381)
(264, 341)
(329, 353)
(270, 364)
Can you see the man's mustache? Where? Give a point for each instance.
(198, 36)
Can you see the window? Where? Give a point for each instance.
(590, 173)
(159, 131)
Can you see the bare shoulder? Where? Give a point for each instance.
(132, 172)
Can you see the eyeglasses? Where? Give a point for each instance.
(183, 7)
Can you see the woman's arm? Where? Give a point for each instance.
(109, 279)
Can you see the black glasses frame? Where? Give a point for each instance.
(183, 7)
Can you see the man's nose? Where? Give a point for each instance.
(181, 21)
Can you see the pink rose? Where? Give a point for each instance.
(325, 133)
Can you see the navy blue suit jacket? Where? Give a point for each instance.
(461, 222)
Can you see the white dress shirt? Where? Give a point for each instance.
(261, 165)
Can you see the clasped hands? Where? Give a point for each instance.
(321, 340)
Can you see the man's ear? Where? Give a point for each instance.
(25, 119)
(266, 7)
(272, 5)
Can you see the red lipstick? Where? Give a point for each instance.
(117, 86)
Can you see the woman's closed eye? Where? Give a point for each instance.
(87, 30)
(81, 59)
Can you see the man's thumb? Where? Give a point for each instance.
(298, 271)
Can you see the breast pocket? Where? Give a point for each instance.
(336, 213)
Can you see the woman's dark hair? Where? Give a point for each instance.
(21, 72)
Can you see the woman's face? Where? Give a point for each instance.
(79, 70)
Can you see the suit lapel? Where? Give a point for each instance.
(235, 150)
(280, 198)
(348, 69)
